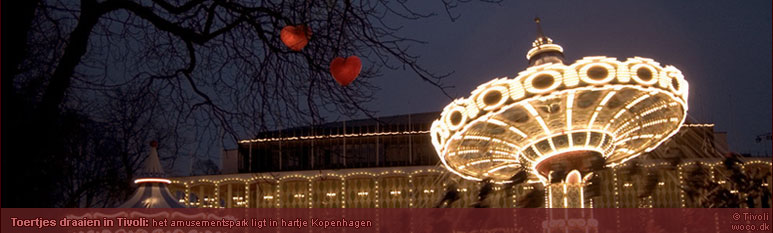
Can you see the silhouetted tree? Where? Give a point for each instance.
(740, 182)
(205, 167)
(212, 68)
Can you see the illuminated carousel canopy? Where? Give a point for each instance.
(561, 115)
(152, 191)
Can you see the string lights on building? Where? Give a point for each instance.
(191, 186)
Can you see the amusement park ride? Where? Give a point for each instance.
(557, 123)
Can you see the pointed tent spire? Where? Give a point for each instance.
(153, 164)
(152, 191)
(543, 50)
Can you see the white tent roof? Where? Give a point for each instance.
(152, 193)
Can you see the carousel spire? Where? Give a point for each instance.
(152, 191)
(153, 167)
(543, 49)
(539, 28)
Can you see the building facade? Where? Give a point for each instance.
(390, 163)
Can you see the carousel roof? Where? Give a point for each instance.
(152, 191)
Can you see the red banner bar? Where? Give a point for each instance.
(386, 220)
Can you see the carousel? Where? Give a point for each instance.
(556, 123)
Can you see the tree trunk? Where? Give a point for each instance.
(14, 41)
(76, 48)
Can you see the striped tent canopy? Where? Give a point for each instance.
(152, 191)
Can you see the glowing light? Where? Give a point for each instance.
(607, 97)
(623, 141)
(152, 180)
(471, 110)
(550, 142)
(516, 90)
(556, 81)
(542, 123)
(458, 112)
(476, 137)
(571, 78)
(635, 76)
(636, 101)
(558, 152)
(542, 48)
(653, 110)
(623, 76)
(333, 136)
(503, 95)
(487, 161)
(574, 177)
(497, 122)
(495, 169)
(569, 104)
(698, 125)
(606, 79)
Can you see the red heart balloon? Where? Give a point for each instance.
(295, 37)
(345, 70)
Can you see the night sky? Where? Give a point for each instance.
(722, 47)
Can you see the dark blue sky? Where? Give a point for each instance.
(722, 47)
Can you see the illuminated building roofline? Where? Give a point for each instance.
(414, 123)
(389, 133)
(309, 175)
(350, 135)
